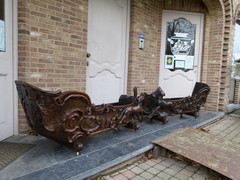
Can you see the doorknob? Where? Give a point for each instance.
(88, 55)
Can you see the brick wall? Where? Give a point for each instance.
(52, 45)
(204, 65)
(236, 99)
(143, 67)
(212, 52)
(217, 50)
(216, 63)
(227, 47)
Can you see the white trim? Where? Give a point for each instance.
(200, 47)
(127, 50)
(15, 67)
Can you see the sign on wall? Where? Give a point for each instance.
(180, 45)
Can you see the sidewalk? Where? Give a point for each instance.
(167, 168)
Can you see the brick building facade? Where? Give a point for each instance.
(52, 45)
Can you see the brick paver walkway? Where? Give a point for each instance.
(166, 168)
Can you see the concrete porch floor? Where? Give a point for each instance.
(50, 160)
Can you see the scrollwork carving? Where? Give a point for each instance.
(70, 116)
(157, 107)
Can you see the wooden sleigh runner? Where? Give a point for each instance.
(68, 117)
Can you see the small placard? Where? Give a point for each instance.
(189, 62)
(169, 62)
(179, 64)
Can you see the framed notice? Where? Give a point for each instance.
(180, 45)
(179, 64)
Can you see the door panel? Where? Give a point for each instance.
(3, 99)
(6, 72)
(181, 44)
(105, 77)
(179, 89)
(107, 42)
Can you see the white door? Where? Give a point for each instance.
(181, 49)
(107, 50)
(6, 70)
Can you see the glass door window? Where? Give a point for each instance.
(2, 27)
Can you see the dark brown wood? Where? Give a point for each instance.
(67, 117)
(157, 107)
(191, 105)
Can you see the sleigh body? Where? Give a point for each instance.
(68, 117)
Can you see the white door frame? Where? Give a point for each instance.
(15, 67)
(10, 124)
(127, 49)
(200, 45)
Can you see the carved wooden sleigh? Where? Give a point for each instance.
(67, 117)
(157, 107)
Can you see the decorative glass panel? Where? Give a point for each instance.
(180, 45)
(2, 26)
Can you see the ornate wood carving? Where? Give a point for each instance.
(156, 107)
(69, 116)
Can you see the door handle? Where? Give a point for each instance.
(88, 55)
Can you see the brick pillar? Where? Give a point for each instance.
(236, 99)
